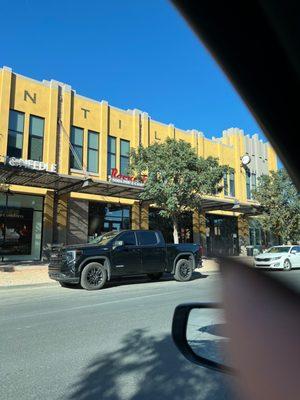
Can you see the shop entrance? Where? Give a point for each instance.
(221, 235)
(21, 219)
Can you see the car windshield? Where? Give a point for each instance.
(278, 250)
(104, 239)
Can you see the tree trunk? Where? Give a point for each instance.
(175, 231)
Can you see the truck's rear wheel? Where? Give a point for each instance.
(155, 277)
(183, 270)
(93, 276)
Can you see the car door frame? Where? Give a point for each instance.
(134, 250)
(159, 248)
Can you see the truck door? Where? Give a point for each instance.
(153, 252)
(126, 259)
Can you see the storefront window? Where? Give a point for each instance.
(104, 217)
(21, 219)
(185, 226)
(221, 235)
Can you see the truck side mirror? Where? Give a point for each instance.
(200, 341)
(118, 243)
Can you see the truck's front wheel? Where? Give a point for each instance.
(93, 276)
(183, 270)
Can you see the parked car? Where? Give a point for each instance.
(279, 257)
(123, 253)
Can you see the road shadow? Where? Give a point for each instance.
(214, 329)
(136, 280)
(148, 368)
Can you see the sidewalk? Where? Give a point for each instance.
(17, 274)
(23, 274)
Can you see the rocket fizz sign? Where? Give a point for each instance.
(116, 177)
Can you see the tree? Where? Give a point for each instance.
(177, 177)
(280, 203)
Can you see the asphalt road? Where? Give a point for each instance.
(112, 344)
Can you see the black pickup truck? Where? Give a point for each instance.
(123, 253)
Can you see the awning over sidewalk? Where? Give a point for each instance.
(65, 184)
(215, 204)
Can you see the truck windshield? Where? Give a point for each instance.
(104, 239)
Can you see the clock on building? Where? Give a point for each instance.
(246, 159)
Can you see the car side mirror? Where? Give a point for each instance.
(118, 243)
(199, 334)
(293, 252)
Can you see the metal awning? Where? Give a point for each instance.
(65, 183)
(215, 204)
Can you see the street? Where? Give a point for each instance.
(59, 343)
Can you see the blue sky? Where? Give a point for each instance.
(133, 53)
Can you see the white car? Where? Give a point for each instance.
(279, 257)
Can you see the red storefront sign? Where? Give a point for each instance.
(126, 179)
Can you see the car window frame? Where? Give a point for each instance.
(148, 245)
(126, 232)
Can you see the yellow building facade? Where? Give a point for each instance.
(57, 152)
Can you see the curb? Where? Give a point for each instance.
(27, 286)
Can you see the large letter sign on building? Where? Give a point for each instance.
(30, 164)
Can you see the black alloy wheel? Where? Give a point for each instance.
(93, 276)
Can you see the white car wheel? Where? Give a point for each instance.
(287, 266)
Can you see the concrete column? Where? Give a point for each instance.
(199, 229)
(145, 129)
(136, 122)
(5, 89)
(60, 218)
(171, 131)
(135, 215)
(64, 130)
(243, 233)
(78, 220)
(103, 140)
(48, 218)
(145, 216)
(50, 141)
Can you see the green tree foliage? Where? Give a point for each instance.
(280, 203)
(177, 177)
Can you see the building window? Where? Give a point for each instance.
(111, 154)
(76, 160)
(248, 184)
(105, 217)
(253, 182)
(225, 183)
(165, 225)
(124, 156)
(36, 138)
(231, 184)
(15, 134)
(93, 152)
